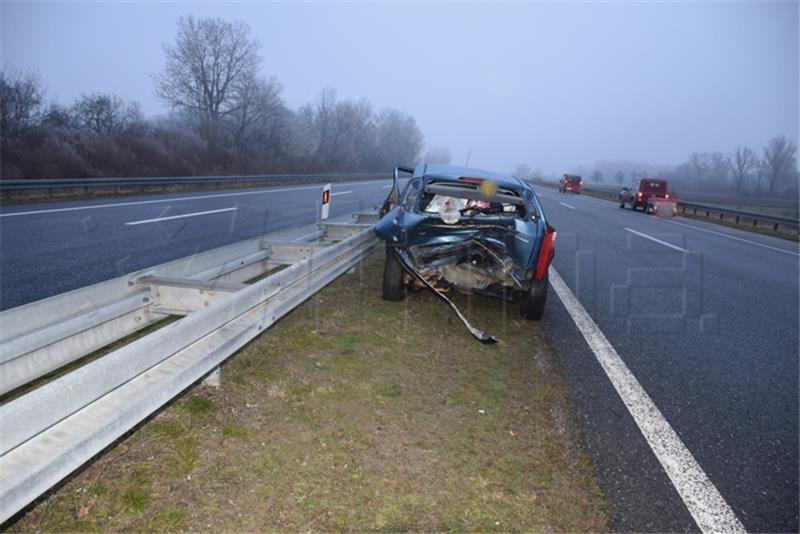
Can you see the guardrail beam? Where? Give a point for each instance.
(44, 441)
(180, 296)
(289, 252)
(338, 231)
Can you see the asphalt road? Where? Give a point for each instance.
(712, 336)
(49, 248)
(706, 318)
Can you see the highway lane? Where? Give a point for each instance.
(49, 248)
(717, 352)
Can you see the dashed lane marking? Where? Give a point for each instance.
(660, 242)
(183, 216)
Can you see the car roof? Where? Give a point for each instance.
(452, 172)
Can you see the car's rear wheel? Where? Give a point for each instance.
(393, 287)
(532, 302)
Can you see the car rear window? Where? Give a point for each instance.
(433, 203)
(654, 186)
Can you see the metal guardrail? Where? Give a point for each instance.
(73, 186)
(738, 215)
(50, 431)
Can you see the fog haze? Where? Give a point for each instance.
(552, 85)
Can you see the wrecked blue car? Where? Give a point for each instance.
(475, 231)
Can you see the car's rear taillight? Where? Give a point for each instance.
(545, 252)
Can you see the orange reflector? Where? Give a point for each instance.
(326, 196)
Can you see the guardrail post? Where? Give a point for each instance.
(214, 379)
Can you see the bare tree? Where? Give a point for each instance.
(399, 138)
(260, 105)
(780, 159)
(597, 176)
(208, 71)
(620, 177)
(742, 163)
(21, 102)
(103, 114)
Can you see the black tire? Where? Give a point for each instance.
(621, 205)
(532, 302)
(393, 287)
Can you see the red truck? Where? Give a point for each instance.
(571, 182)
(652, 196)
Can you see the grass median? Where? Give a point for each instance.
(352, 413)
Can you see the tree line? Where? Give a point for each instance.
(224, 118)
(773, 171)
(742, 171)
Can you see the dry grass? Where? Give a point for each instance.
(354, 414)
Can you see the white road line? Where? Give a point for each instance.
(651, 238)
(341, 193)
(567, 205)
(185, 215)
(736, 238)
(701, 497)
(161, 201)
(386, 187)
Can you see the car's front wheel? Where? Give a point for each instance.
(393, 287)
(532, 302)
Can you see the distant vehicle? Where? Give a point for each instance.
(571, 182)
(651, 196)
(475, 231)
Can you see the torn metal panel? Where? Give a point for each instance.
(477, 333)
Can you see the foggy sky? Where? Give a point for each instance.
(551, 84)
